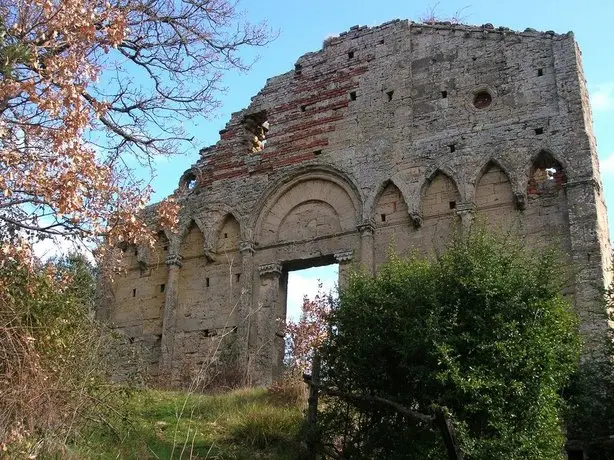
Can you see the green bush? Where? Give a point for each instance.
(483, 330)
(590, 418)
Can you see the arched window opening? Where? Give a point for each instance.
(229, 235)
(188, 181)
(257, 127)
(547, 175)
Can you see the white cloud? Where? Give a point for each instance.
(606, 164)
(602, 97)
(305, 282)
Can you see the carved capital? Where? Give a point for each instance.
(247, 247)
(366, 227)
(273, 269)
(416, 219)
(344, 256)
(210, 253)
(521, 201)
(174, 260)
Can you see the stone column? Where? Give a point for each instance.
(265, 318)
(169, 320)
(466, 213)
(245, 307)
(367, 257)
(344, 259)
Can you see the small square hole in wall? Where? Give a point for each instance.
(166, 248)
(353, 96)
(134, 293)
(452, 204)
(444, 94)
(238, 277)
(539, 131)
(452, 147)
(389, 94)
(136, 252)
(317, 152)
(225, 235)
(383, 217)
(207, 282)
(540, 72)
(351, 55)
(162, 287)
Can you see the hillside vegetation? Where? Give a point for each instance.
(242, 424)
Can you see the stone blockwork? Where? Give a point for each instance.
(389, 137)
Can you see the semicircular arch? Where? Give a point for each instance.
(316, 202)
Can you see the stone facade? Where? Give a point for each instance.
(392, 136)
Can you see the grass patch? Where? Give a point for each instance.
(243, 424)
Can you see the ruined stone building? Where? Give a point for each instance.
(391, 136)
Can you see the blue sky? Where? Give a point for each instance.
(303, 25)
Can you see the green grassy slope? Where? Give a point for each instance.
(243, 424)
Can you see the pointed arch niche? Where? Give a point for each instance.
(157, 255)
(438, 208)
(129, 256)
(547, 213)
(494, 199)
(154, 296)
(229, 235)
(393, 227)
(192, 298)
(224, 276)
(193, 243)
(209, 290)
(130, 291)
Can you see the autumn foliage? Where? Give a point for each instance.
(84, 84)
(309, 333)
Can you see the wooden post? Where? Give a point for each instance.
(447, 433)
(312, 408)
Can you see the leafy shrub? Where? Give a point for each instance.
(590, 418)
(483, 330)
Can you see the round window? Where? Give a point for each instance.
(188, 181)
(482, 100)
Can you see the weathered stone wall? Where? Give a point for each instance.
(393, 136)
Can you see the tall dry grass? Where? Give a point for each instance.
(52, 358)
